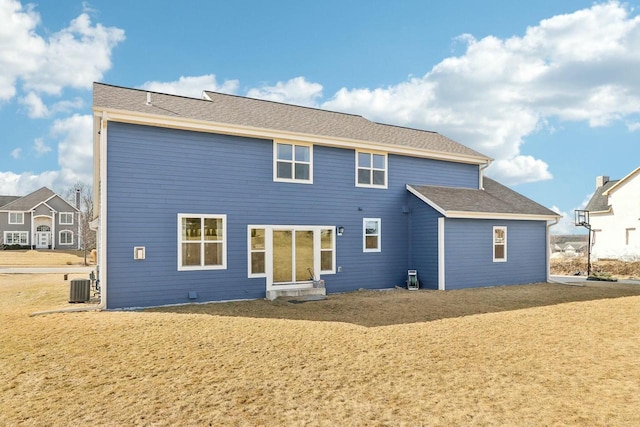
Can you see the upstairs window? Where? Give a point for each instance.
(371, 170)
(293, 163)
(499, 244)
(16, 218)
(66, 218)
(202, 242)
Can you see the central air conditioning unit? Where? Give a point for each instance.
(79, 290)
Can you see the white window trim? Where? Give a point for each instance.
(317, 247)
(493, 240)
(61, 214)
(293, 162)
(250, 251)
(364, 235)
(18, 222)
(371, 168)
(21, 233)
(223, 266)
(60, 242)
(333, 249)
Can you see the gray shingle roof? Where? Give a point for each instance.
(495, 198)
(600, 202)
(29, 201)
(7, 199)
(275, 116)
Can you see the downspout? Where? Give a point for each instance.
(481, 175)
(101, 266)
(555, 221)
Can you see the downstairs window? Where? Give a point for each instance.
(202, 242)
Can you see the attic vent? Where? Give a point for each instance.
(148, 98)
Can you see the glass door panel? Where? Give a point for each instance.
(304, 255)
(282, 256)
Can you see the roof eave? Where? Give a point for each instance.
(501, 215)
(126, 116)
(622, 181)
(482, 215)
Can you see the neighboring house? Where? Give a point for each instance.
(569, 245)
(39, 220)
(614, 216)
(227, 198)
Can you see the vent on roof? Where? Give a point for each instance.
(148, 98)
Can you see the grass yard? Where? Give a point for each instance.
(334, 362)
(42, 258)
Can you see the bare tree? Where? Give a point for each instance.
(83, 194)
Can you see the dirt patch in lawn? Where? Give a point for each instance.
(568, 363)
(578, 266)
(42, 258)
(399, 306)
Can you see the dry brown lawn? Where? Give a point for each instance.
(539, 355)
(41, 258)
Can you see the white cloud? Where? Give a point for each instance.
(21, 49)
(192, 86)
(575, 67)
(66, 106)
(519, 170)
(75, 150)
(43, 65)
(40, 147)
(566, 225)
(75, 158)
(294, 91)
(35, 106)
(15, 153)
(633, 126)
(81, 47)
(21, 184)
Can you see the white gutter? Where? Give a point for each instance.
(549, 225)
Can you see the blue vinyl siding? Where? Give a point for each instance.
(469, 253)
(424, 242)
(155, 173)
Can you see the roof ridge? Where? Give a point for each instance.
(150, 91)
(288, 104)
(406, 127)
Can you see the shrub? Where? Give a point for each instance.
(14, 247)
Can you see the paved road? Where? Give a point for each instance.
(46, 270)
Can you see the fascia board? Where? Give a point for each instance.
(426, 200)
(608, 211)
(622, 182)
(500, 215)
(261, 133)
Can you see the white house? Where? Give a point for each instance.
(614, 215)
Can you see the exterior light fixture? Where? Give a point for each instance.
(340, 230)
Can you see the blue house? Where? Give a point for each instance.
(228, 198)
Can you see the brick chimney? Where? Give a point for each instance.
(601, 180)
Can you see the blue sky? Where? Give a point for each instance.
(549, 89)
